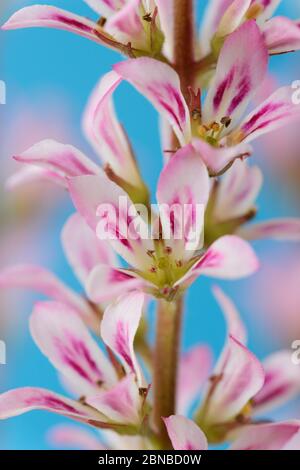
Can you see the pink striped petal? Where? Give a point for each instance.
(282, 382)
(276, 111)
(106, 134)
(127, 25)
(229, 257)
(182, 195)
(282, 35)
(237, 191)
(106, 283)
(107, 209)
(63, 160)
(241, 377)
(52, 17)
(235, 326)
(65, 340)
(73, 437)
(271, 436)
(185, 434)
(33, 174)
(241, 68)
(21, 400)
(121, 404)
(160, 84)
(278, 229)
(83, 249)
(32, 277)
(119, 326)
(194, 369)
(217, 158)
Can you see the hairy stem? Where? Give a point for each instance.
(166, 354)
(184, 43)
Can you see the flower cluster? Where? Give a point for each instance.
(140, 396)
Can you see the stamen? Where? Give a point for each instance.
(226, 120)
(168, 250)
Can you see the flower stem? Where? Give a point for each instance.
(166, 355)
(184, 43)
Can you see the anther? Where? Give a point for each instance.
(226, 121)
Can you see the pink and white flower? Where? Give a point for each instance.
(168, 264)
(56, 161)
(223, 17)
(128, 26)
(241, 387)
(105, 400)
(216, 128)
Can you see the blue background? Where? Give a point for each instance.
(37, 65)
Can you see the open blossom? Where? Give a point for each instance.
(222, 17)
(132, 27)
(109, 396)
(216, 127)
(166, 265)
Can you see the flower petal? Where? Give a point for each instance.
(229, 257)
(268, 8)
(235, 326)
(194, 369)
(182, 194)
(33, 174)
(21, 400)
(83, 249)
(282, 382)
(166, 18)
(106, 283)
(26, 276)
(217, 158)
(106, 134)
(106, 7)
(282, 35)
(65, 340)
(52, 17)
(160, 84)
(63, 160)
(211, 19)
(121, 404)
(278, 229)
(185, 434)
(127, 25)
(107, 209)
(119, 326)
(233, 17)
(271, 436)
(237, 191)
(276, 111)
(241, 376)
(74, 437)
(241, 68)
